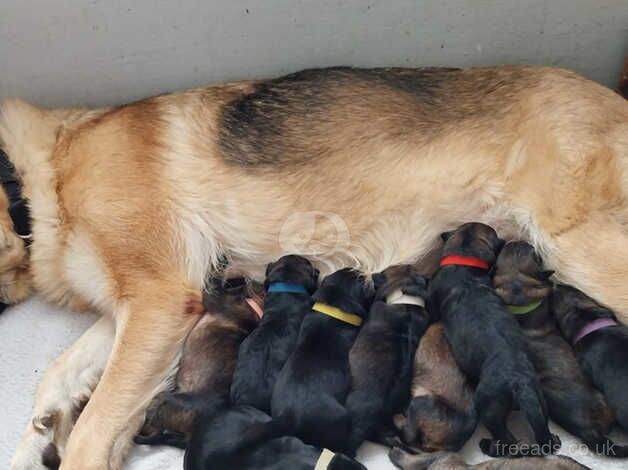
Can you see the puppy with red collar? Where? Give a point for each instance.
(487, 342)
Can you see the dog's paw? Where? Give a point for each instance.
(554, 444)
(29, 454)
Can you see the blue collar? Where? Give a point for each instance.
(287, 287)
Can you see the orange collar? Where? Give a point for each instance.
(469, 261)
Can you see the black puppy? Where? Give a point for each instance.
(312, 387)
(600, 343)
(382, 357)
(289, 284)
(573, 402)
(486, 340)
(245, 438)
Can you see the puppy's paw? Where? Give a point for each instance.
(554, 444)
(398, 457)
(496, 448)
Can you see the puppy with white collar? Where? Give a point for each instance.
(382, 356)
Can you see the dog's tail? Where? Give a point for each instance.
(532, 403)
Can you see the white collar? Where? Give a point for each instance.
(398, 297)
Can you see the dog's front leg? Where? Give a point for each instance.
(151, 328)
(67, 383)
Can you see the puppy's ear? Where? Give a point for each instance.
(379, 279)
(499, 244)
(419, 285)
(547, 274)
(269, 267)
(446, 235)
(317, 274)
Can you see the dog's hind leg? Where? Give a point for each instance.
(67, 383)
(151, 328)
(531, 402)
(493, 409)
(593, 257)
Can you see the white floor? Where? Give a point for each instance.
(34, 333)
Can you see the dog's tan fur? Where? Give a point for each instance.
(132, 206)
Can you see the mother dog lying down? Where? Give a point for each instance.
(133, 206)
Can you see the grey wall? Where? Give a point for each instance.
(61, 52)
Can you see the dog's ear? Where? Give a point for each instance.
(317, 274)
(547, 274)
(446, 235)
(379, 279)
(499, 244)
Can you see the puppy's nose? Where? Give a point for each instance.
(518, 294)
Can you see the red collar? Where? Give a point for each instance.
(470, 261)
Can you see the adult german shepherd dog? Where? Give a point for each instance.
(132, 206)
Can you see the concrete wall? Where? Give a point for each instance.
(62, 52)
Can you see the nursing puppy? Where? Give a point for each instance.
(207, 361)
(312, 387)
(486, 341)
(599, 342)
(451, 461)
(382, 357)
(573, 403)
(289, 284)
(441, 415)
(243, 437)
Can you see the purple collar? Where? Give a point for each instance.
(594, 326)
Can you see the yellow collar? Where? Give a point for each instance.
(338, 314)
(324, 460)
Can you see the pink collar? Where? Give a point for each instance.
(594, 326)
(255, 307)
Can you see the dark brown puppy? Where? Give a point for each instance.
(572, 400)
(600, 343)
(487, 342)
(450, 461)
(382, 358)
(207, 362)
(441, 415)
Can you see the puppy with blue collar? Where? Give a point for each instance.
(382, 357)
(290, 281)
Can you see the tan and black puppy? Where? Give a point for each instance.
(441, 415)
(382, 357)
(232, 310)
(573, 402)
(487, 342)
(451, 461)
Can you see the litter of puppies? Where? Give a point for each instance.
(410, 362)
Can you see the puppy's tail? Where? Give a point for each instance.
(602, 445)
(530, 399)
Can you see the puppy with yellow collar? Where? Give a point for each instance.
(382, 356)
(312, 387)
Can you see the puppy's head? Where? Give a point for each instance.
(573, 310)
(404, 277)
(293, 269)
(228, 299)
(346, 289)
(519, 275)
(473, 239)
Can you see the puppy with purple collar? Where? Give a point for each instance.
(600, 343)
